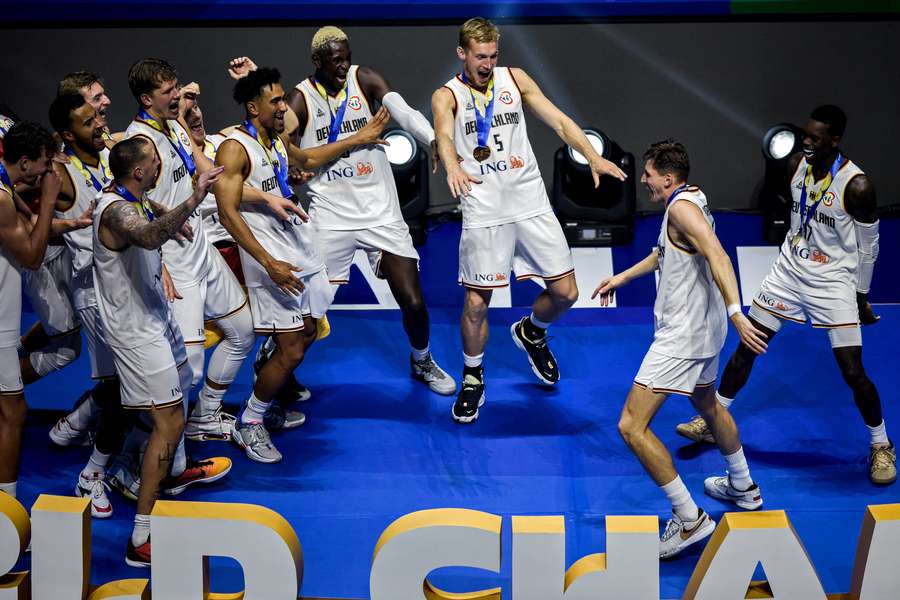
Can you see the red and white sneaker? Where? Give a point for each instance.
(94, 487)
(64, 434)
(138, 557)
(202, 471)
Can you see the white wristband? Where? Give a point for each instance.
(733, 309)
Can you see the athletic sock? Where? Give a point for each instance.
(420, 355)
(210, 399)
(726, 402)
(879, 434)
(96, 464)
(738, 471)
(255, 411)
(9, 488)
(682, 504)
(141, 532)
(534, 328)
(473, 362)
(179, 463)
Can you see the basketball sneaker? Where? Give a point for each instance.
(883, 464)
(197, 471)
(540, 358)
(203, 427)
(722, 489)
(64, 433)
(696, 430)
(470, 397)
(124, 476)
(138, 557)
(679, 534)
(428, 372)
(94, 487)
(278, 418)
(255, 440)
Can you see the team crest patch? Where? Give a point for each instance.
(828, 200)
(505, 97)
(355, 103)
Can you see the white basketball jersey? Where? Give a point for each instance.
(356, 191)
(10, 296)
(209, 210)
(689, 312)
(188, 262)
(511, 187)
(292, 241)
(81, 241)
(827, 252)
(128, 285)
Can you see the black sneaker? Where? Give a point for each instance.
(292, 391)
(470, 397)
(138, 557)
(540, 358)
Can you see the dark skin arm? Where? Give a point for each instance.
(313, 158)
(861, 203)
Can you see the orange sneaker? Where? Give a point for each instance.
(197, 471)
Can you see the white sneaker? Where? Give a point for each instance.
(203, 427)
(722, 489)
(679, 534)
(428, 372)
(255, 440)
(64, 434)
(95, 487)
(124, 477)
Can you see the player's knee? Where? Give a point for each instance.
(169, 423)
(854, 374)
(411, 302)
(628, 429)
(475, 308)
(13, 410)
(566, 292)
(290, 352)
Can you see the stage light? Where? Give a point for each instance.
(409, 165)
(778, 144)
(592, 216)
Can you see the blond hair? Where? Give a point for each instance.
(478, 29)
(325, 36)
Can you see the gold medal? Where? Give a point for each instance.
(481, 153)
(795, 241)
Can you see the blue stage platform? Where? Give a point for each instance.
(378, 445)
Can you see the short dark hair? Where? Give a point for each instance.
(250, 87)
(27, 139)
(72, 83)
(832, 116)
(147, 74)
(669, 157)
(125, 155)
(61, 110)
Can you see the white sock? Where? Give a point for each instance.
(682, 503)
(255, 410)
(879, 434)
(9, 488)
(419, 355)
(726, 402)
(738, 471)
(82, 416)
(537, 322)
(96, 465)
(141, 532)
(473, 361)
(210, 399)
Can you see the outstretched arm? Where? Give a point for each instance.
(689, 221)
(564, 127)
(377, 88)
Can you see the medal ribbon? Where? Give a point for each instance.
(5, 124)
(816, 196)
(279, 164)
(484, 114)
(142, 205)
(5, 181)
(183, 152)
(677, 191)
(88, 176)
(337, 116)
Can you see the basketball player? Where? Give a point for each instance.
(91, 87)
(27, 151)
(284, 272)
(822, 273)
(207, 288)
(354, 201)
(145, 340)
(507, 219)
(694, 275)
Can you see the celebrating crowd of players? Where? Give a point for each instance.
(159, 241)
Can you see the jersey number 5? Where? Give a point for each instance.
(498, 142)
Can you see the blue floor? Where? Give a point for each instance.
(377, 446)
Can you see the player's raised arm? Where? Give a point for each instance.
(564, 127)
